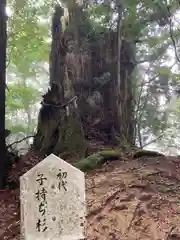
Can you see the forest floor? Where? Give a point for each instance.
(127, 199)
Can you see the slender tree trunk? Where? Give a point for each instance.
(118, 83)
(123, 87)
(3, 44)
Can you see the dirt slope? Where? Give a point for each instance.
(137, 199)
(126, 199)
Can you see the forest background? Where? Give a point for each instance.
(152, 25)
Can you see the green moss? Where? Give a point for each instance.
(97, 159)
(109, 153)
(71, 138)
(146, 153)
(89, 163)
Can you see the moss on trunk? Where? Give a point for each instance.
(71, 138)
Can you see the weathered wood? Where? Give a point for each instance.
(86, 67)
(59, 125)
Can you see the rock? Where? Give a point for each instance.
(52, 201)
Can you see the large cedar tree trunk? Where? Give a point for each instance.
(59, 127)
(98, 71)
(112, 64)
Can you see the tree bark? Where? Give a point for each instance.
(59, 126)
(123, 89)
(117, 89)
(3, 44)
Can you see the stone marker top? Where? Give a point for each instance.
(52, 160)
(53, 201)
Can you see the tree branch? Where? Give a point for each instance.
(10, 145)
(154, 140)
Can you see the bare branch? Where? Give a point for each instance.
(10, 145)
(154, 57)
(154, 140)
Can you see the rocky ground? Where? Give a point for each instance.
(126, 199)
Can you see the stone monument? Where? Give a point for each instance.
(53, 201)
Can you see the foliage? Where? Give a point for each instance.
(27, 49)
(21, 101)
(21, 97)
(27, 38)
